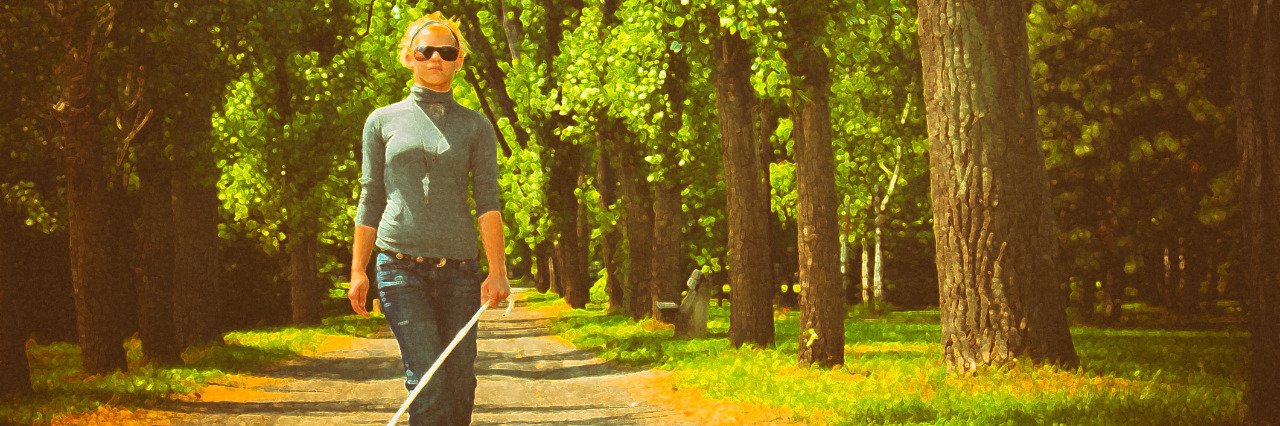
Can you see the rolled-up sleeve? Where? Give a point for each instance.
(373, 190)
(484, 170)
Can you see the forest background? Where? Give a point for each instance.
(213, 146)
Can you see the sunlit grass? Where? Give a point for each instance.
(62, 388)
(894, 373)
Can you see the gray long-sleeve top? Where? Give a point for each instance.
(427, 132)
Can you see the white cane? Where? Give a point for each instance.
(443, 355)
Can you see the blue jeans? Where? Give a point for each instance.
(426, 306)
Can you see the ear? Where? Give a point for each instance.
(406, 58)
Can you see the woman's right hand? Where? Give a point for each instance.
(358, 291)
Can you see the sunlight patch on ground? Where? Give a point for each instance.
(114, 416)
(661, 389)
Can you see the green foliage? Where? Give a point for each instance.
(1134, 112)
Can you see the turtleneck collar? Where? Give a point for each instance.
(423, 95)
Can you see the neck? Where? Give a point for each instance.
(425, 94)
(445, 87)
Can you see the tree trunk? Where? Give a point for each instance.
(607, 183)
(155, 260)
(542, 253)
(1255, 34)
(1001, 296)
(196, 295)
(101, 343)
(866, 271)
(304, 286)
(557, 286)
(878, 272)
(570, 272)
(637, 199)
(668, 278)
(15, 376)
(122, 256)
(770, 113)
(821, 305)
(1088, 296)
(565, 160)
(751, 315)
(584, 242)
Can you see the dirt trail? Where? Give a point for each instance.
(526, 376)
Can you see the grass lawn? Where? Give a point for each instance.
(893, 372)
(62, 388)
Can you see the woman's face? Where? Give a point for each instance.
(432, 72)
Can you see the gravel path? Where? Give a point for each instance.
(526, 376)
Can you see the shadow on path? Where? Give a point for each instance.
(526, 376)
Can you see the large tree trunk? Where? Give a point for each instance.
(15, 376)
(304, 284)
(1255, 33)
(821, 302)
(1001, 295)
(101, 343)
(196, 302)
(751, 314)
(607, 183)
(637, 197)
(667, 279)
(155, 260)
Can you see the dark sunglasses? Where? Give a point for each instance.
(448, 53)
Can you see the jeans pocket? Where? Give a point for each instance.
(391, 272)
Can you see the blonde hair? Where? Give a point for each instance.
(439, 19)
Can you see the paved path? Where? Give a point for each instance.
(526, 376)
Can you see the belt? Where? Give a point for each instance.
(437, 261)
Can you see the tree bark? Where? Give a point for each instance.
(570, 272)
(878, 271)
(557, 285)
(607, 184)
(101, 342)
(122, 256)
(1001, 295)
(770, 113)
(542, 254)
(866, 271)
(565, 163)
(1255, 34)
(637, 197)
(155, 260)
(751, 314)
(821, 303)
(304, 285)
(15, 376)
(196, 265)
(667, 279)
